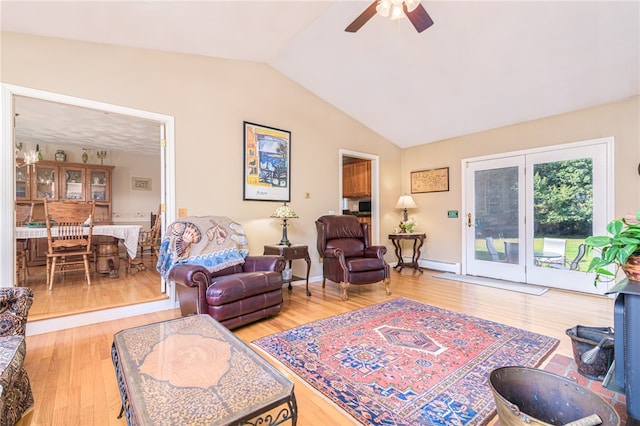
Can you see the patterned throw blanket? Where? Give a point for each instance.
(215, 242)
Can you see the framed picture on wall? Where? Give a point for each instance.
(267, 163)
(434, 180)
(141, 184)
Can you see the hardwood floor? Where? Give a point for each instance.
(72, 295)
(74, 383)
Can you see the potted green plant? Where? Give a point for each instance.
(621, 248)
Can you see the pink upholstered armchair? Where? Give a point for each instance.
(347, 257)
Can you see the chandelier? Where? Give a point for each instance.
(26, 157)
(394, 8)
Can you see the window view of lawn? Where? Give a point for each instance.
(562, 211)
(571, 249)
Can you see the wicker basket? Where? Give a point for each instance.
(632, 268)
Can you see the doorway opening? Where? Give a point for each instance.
(359, 189)
(164, 137)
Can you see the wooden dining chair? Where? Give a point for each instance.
(24, 214)
(148, 239)
(69, 232)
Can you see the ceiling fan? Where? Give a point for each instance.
(395, 9)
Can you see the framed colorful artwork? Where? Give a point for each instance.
(267, 163)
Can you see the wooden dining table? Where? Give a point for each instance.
(126, 234)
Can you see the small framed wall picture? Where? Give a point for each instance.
(141, 184)
(433, 180)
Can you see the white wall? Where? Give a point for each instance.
(209, 99)
(131, 205)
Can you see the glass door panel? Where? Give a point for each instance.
(23, 187)
(98, 181)
(73, 184)
(494, 227)
(562, 212)
(45, 184)
(566, 201)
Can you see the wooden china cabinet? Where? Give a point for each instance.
(55, 180)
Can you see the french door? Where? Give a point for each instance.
(527, 215)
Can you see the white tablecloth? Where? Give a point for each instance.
(128, 234)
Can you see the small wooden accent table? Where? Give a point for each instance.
(418, 241)
(291, 253)
(193, 370)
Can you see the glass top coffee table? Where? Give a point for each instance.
(194, 371)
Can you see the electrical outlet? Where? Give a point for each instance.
(182, 212)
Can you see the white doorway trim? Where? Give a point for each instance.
(375, 188)
(7, 196)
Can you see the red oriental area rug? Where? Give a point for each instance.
(402, 362)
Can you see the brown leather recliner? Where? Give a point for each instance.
(343, 244)
(234, 296)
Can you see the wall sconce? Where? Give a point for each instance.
(406, 202)
(285, 213)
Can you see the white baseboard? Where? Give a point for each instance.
(439, 265)
(71, 321)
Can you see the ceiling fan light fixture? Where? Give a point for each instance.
(383, 7)
(396, 11)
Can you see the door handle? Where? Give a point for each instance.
(469, 220)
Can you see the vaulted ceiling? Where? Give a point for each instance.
(482, 64)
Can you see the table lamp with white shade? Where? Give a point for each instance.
(285, 213)
(406, 202)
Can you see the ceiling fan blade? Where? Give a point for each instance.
(363, 18)
(418, 17)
